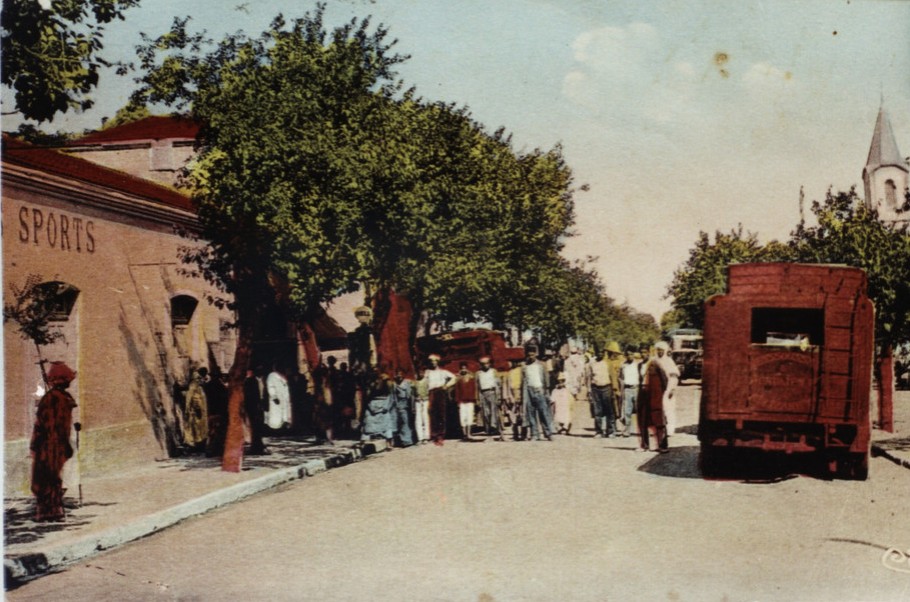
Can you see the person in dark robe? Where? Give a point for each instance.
(651, 419)
(50, 443)
(346, 400)
(216, 396)
(253, 404)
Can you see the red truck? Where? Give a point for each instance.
(787, 366)
(469, 346)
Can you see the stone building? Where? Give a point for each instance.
(103, 244)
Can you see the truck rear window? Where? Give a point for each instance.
(788, 326)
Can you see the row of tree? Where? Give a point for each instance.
(318, 172)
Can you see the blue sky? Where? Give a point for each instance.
(681, 116)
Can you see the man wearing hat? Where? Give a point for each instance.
(614, 361)
(439, 381)
(488, 385)
(598, 376)
(50, 443)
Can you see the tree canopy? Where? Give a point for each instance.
(845, 232)
(704, 272)
(51, 52)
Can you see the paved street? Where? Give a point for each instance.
(576, 519)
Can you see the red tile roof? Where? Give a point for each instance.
(60, 164)
(159, 127)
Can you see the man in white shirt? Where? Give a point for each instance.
(439, 381)
(535, 387)
(488, 395)
(600, 394)
(630, 380)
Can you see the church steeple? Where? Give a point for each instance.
(885, 175)
(883, 151)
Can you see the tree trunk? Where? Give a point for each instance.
(392, 319)
(886, 389)
(232, 460)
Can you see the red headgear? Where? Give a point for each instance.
(60, 372)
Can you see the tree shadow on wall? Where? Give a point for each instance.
(145, 387)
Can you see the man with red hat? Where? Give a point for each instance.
(50, 444)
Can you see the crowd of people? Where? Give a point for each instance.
(533, 400)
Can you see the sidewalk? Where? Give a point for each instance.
(125, 507)
(145, 499)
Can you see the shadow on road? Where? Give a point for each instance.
(682, 463)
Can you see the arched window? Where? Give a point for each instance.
(57, 299)
(182, 309)
(890, 194)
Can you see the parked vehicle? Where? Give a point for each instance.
(469, 346)
(686, 351)
(787, 366)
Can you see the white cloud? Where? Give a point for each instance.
(623, 73)
(765, 74)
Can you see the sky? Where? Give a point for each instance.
(681, 116)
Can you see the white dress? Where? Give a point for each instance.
(278, 414)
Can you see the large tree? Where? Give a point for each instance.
(51, 52)
(849, 233)
(286, 156)
(704, 272)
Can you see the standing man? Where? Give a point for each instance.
(518, 410)
(535, 387)
(651, 418)
(488, 393)
(196, 424)
(253, 397)
(614, 361)
(466, 398)
(630, 379)
(50, 444)
(403, 397)
(216, 396)
(439, 381)
(669, 379)
(600, 393)
(422, 409)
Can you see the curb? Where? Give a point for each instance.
(878, 451)
(21, 568)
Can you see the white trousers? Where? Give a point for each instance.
(422, 420)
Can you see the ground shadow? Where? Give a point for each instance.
(19, 526)
(284, 452)
(754, 468)
(899, 444)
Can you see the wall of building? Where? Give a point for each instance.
(158, 161)
(119, 336)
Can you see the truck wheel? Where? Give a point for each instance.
(853, 467)
(856, 467)
(711, 461)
